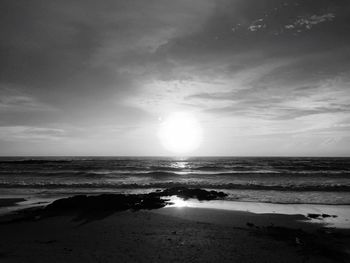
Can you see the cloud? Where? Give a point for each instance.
(275, 103)
(14, 99)
(307, 22)
(83, 58)
(29, 133)
(297, 24)
(79, 65)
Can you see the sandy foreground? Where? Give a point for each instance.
(172, 235)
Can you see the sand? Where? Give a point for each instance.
(171, 235)
(7, 202)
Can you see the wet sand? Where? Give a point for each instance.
(172, 235)
(8, 202)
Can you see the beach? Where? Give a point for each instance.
(109, 209)
(168, 234)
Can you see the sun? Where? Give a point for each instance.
(180, 133)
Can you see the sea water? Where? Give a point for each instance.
(249, 179)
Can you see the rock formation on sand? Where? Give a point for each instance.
(94, 207)
(119, 202)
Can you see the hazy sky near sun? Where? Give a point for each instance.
(85, 77)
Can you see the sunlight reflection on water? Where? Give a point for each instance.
(179, 202)
(342, 212)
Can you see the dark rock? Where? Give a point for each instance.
(314, 216)
(105, 202)
(119, 202)
(94, 207)
(320, 216)
(325, 215)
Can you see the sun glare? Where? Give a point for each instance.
(180, 133)
(177, 202)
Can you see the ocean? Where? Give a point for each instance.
(248, 179)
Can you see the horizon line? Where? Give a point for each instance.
(179, 156)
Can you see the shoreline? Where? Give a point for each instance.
(260, 196)
(337, 216)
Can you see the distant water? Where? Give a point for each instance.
(277, 180)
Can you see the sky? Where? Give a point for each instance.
(263, 78)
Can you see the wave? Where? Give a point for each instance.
(164, 168)
(35, 161)
(110, 173)
(228, 186)
(162, 173)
